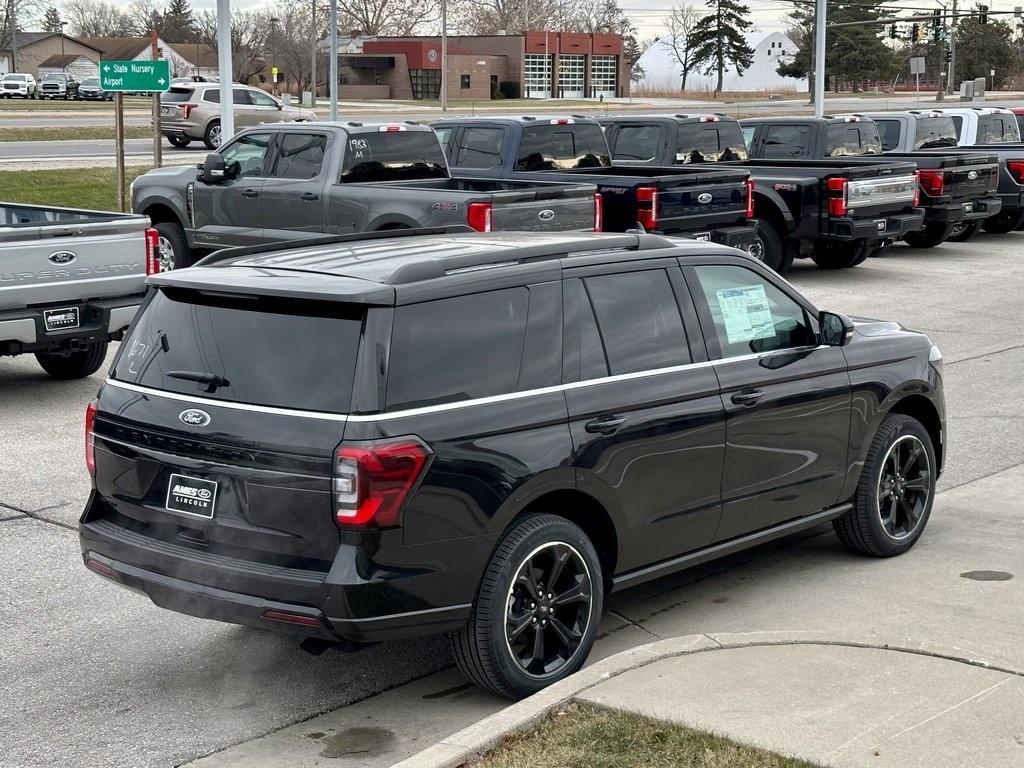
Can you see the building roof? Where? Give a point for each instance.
(25, 39)
(198, 54)
(118, 48)
(62, 60)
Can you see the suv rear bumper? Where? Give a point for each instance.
(24, 330)
(963, 211)
(339, 605)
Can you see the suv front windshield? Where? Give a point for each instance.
(55, 77)
(14, 78)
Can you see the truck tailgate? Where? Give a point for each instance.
(44, 262)
(558, 209)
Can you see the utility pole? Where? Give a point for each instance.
(444, 55)
(333, 90)
(952, 50)
(312, 66)
(225, 69)
(819, 58)
(12, 28)
(157, 137)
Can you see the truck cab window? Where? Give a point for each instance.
(250, 152)
(480, 148)
(299, 156)
(562, 148)
(637, 143)
(889, 133)
(787, 141)
(709, 143)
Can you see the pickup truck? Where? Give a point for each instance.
(293, 181)
(945, 184)
(836, 212)
(701, 203)
(70, 282)
(57, 85)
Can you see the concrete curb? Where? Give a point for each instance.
(473, 741)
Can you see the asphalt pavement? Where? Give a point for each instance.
(95, 675)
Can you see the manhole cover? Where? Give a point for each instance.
(986, 575)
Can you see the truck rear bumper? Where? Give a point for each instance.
(890, 227)
(951, 213)
(33, 330)
(1012, 200)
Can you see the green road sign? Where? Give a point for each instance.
(135, 76)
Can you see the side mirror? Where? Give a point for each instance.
(836, 329)
(213, 170)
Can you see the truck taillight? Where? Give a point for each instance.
(1016, 169)
(90, 440)
(750, 198)
(710, 119)
(598, 212)
(392, 128)
(562, 121)
(152, 252)
(932, 182)
(837, 196)
(647, 207)
(186, 110)
(372, 480)
(478, 216)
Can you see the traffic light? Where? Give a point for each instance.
(937, 35)
(936, 21)
(949, 56)
(982, 14)
(892, 32)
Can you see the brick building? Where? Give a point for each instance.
(544, 64)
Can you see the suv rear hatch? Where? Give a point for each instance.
(215, 434)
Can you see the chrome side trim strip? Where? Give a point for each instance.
(408, 614)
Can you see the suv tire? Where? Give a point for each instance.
(172, 237)
(179, 141)
(895, 493)
(509, 600)
(76, 365)
(211, 136)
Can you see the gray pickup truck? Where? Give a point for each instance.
(293, 181)
(70, 282)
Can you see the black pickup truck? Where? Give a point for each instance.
(702, 203)
(833, 211)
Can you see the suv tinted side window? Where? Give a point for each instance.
(638, 320)
(750, 314)
(457, 349)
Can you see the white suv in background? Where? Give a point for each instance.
(18, 84)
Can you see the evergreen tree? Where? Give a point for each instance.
(718, 41)
(51, 21)
(177, 25)
(980, 48)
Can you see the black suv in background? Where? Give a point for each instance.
(483, 434)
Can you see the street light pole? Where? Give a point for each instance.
(333, 91)
(444, 55)
(62, 62)
(312, 66)
(12, 28)
(225, 69)
(273, 67)
(819, 58)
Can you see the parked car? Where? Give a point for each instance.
(57, 85)
(192, 112)
(835, 211)
(90, 90)
(484, 434)
(703, 203)
(17, 84)
(70, 282)
(283, 182)
(984, 125)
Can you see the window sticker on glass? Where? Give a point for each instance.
(746, 313)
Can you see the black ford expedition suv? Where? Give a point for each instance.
(483, 434)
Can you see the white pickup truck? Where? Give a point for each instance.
(70, 282)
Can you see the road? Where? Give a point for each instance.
(95, 675)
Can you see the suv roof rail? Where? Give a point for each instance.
(251, 250)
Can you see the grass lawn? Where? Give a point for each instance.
(495, 103)
(584, 737)
(72, 133)
(55, 105)
(94, 188)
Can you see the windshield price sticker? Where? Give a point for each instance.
(746, 313)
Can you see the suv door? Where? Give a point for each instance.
(293, 193)
(787, 398)
(263, 107)
(245, 114)
(646, 419)
(229, 213)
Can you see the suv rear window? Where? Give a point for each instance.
(562, 147)
(709, 143)
(177, 95)
(283, 353)
(393, 156)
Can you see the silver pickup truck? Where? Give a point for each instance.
(70, 282)
(293, 181)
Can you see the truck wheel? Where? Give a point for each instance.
(212, 137)
(179, 141)
(929, 237)
(840, 255)
(1004, 222)
(963, 231)
(895, 492)
(772, 251)
(75, 365)
(173, 246)
(536, 612)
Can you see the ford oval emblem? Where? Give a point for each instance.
(704, 198)
(546, 215)
(194, 417)
(62, 257)
(972, 175)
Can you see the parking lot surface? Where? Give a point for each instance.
(95, 675)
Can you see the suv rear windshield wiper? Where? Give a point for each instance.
(212, 381)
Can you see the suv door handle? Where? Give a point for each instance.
(309, 196)
(606, 425)
(748, 398)
(250, 193)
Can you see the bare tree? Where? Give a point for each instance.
(250, 33)
(387, 17)
(679, 24)
(26, 15)
(488, 17)
(100, 18)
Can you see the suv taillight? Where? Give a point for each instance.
(372, 480)
(478, 216)
(647, 207)
(598, 212)
(152, 252)
(1016, 169)
(837, 192)
(186, 110)
(750, 198)
(90, 440)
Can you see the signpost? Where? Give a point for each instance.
(133, 77)
(916, 69)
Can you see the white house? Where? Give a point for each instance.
(186, 59)
(663, 71)
(75, 64)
